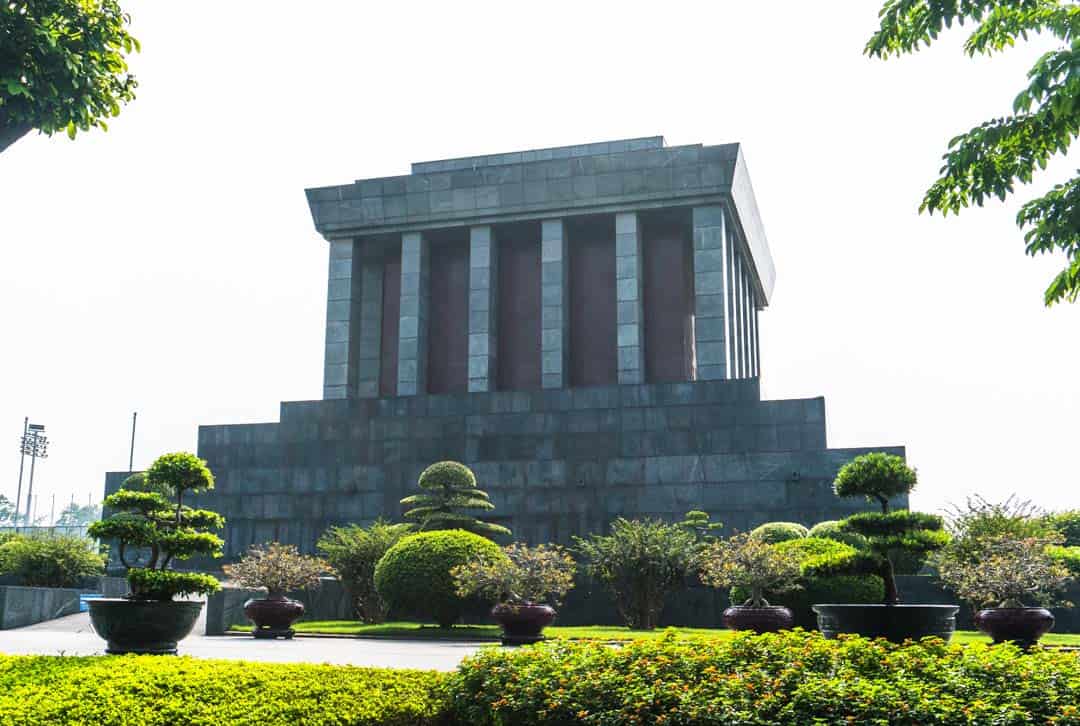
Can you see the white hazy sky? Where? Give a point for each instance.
(170, 266)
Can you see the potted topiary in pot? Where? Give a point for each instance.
(148, 620)
(746, 561)
(520, 583)
(880, 477)
(1001, 573)
(278, 569)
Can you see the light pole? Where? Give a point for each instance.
(22, 461)
(34, 445)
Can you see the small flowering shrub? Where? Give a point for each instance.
(750, 563)
(525, 575)
(1008, 572)
(277, 568)
(795, 678)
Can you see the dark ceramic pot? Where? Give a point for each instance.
(273, 616)
(137, 626)
(896, 623)
(1023, 626)
(767, 619)
(522, 623)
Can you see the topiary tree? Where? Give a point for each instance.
(353, 551)
(168, 530)
(775, 532)
(450, 489)
(414, 576)
(699, 523)
(880, 477)
(640, 562)
(62, 66)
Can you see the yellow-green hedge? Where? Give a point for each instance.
(162, 691)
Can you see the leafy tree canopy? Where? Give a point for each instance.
(77, 514)
(991, 158)
(62, 65)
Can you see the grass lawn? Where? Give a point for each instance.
(417, 631)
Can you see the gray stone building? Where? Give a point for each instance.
(577, 324)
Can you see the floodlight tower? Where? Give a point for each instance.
(36, 446)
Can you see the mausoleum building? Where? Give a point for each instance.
(577, 324)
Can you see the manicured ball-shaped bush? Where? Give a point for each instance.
(1068, 525)
(774, 532)
(413, 577)
(833, 530)
(452, 474)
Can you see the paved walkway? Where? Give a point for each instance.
(72, 635)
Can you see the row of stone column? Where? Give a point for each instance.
(725, 321)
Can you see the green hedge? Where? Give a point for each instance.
(160, 691)
(786, 678)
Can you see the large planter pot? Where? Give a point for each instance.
(1023, 626)
(273, 616)
(768, 619)
(893, 622)
(524, 623)
(137, 626)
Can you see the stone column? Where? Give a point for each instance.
(369, 352)
(554, 289)
(342, 313)
(751, 325)
(757, 342)
(731, 324)
(629, 279)
(483, 275)
(412, 340)
(740, 315)
(711, 293)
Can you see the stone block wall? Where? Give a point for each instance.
(557, 463)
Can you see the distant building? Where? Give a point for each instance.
(578, 324)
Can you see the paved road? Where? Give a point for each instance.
(72, 635)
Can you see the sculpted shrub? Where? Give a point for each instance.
(166, 530)
(414, 575)
(773, 532)
(448, 492)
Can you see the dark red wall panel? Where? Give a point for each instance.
(448, 317)
(518, 307)
(593, 340)
(668, 302)
(391, 309)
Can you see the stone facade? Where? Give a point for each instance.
(678, 423)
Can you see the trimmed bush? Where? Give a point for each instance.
(155, 691)
(51, 561)
(834, 529)
(414, 575)
(821, 553)
(779, 678)
(775, 532)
